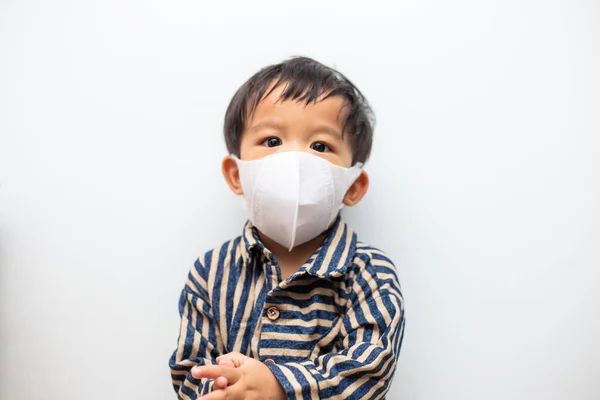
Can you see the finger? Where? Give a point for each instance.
(215, 371)
(226, 363)
(220, 383)
(231, 353)
(232, 392)
(216, 395)
(234, 357)
(234, 354)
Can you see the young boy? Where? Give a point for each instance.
(296, 307)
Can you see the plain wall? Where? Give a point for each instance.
(485, 183)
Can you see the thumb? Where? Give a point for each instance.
(226, 363)
(233, 359)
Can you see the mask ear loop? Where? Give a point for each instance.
(349, 172)
(295, 224)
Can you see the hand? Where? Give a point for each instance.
(240, 377)
(221, 381)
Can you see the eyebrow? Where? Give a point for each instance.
(266, 124)
(276, 125)
(330, 131)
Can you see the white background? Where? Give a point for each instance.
(485, 183)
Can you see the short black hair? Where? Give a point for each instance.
(305, 80)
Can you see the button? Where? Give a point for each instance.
(269, 361)
(272, 313)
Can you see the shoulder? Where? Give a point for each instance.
(373, 255)
(212, 264)
(216, 256)
(374, 267)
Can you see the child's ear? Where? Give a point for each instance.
(232, 175)
(358, 189)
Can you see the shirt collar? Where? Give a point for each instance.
(330, 260)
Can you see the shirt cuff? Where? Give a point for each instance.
(296, 380)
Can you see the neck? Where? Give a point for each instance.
(290, 261)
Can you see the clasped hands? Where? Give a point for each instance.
(238, 377)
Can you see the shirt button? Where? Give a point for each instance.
(272, 313)
(269, 361)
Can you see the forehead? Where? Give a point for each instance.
(275, 104)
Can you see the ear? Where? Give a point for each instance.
(232, 175)
(358, 189)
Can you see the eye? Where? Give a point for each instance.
(320, 147)
(272, 142)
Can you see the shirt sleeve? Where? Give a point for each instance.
(372, 331)
(199, 342)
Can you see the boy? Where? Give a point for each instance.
(296, 307)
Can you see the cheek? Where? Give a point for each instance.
(345, 156)
(256, 152)
(331, 157)
(247, 150)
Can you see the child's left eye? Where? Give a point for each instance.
(320, 147)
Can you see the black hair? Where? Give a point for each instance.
(305, 80)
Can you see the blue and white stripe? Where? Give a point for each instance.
(334, 331)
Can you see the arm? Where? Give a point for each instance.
(199, 339)
(372, 332)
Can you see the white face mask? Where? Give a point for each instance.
(293, 196)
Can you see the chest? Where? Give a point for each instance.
(290, 321)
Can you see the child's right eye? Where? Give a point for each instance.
(272, 142)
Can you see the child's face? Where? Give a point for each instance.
(289, 125)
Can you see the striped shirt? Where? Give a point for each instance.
(331, 330)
